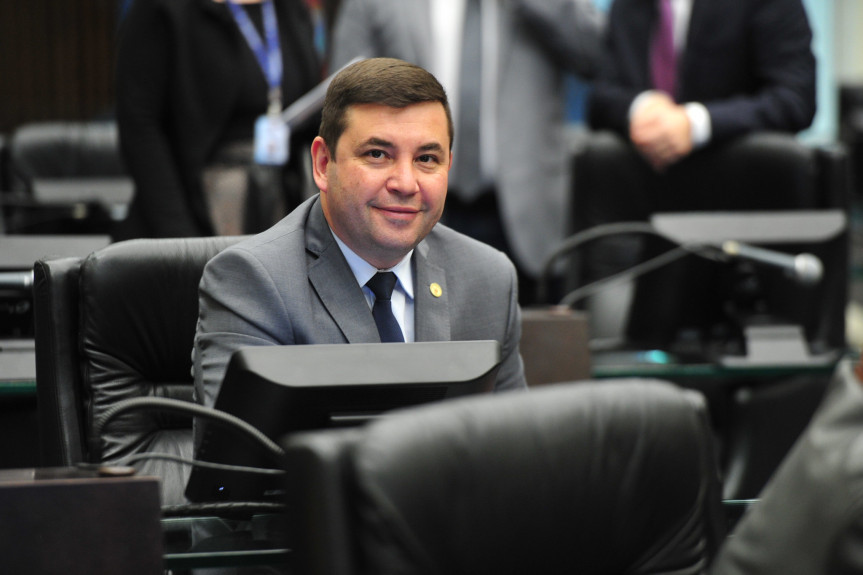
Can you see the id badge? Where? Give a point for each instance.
(271, 140)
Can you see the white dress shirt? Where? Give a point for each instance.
(699, 117)
(402, 301)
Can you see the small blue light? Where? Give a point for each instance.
(654, 356)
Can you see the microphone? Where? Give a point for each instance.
(804, 268)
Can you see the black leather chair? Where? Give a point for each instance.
(587, 477)
(115, 325)
(65, 177)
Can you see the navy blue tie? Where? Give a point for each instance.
(382, 284)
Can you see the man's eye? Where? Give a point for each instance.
(427, 159)
(376, 154)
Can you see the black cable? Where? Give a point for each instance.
(640, 269)
(621, 228)
(133, 459)
(184, 408)
(576, 240)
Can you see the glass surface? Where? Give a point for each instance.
(214, 542)
(663, 364)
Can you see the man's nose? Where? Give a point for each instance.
(403, 178)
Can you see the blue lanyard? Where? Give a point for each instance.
(269, 57)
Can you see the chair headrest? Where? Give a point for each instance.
(617, 474)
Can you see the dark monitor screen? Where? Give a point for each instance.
(717, 306)
(283, 389)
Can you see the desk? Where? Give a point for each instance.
(112, 194)
(227, 543)
(18, 409)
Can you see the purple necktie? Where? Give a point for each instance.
(663, 59)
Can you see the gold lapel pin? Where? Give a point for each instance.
(435, 289)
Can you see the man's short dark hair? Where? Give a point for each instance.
(386, 81)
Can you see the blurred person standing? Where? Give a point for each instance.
(200, 88)
(503, 64)
(678, 75)
(679, 81)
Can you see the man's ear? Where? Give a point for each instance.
(320, 160)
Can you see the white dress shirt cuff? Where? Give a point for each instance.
(699, 123)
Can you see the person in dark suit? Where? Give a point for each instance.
(679, 80)
(808, 519)
(189, 92)
(381, 163)
(738, 66)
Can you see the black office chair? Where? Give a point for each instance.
(685, 307)
(116, 325)
(588, 477)
(65, 177)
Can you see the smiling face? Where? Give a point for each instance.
(384, 189)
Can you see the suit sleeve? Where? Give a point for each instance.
(143, 69)
(569, 30)
(229, 317)
(621, 75)
(752, 67)
(783, 66)
(354, 34)
(510, 377)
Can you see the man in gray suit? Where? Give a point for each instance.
(510, 181)
(381, 163)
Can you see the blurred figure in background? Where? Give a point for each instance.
(808, 519)
(680, 74)
(503, 65)
(679, 79)
(200, 88)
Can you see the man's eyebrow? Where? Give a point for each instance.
(374, 141)
(431, 147)
(381, 143)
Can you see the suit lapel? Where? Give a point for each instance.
(697, 18)
(431, 303)
(329, 273)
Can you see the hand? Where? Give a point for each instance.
(660, 130)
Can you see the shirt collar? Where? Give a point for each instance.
(363, 270)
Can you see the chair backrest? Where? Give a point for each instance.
(66, 178)
(64, 150)
(115, 325)
(756, 173)
(617, 476)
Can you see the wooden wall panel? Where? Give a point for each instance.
(56, 60)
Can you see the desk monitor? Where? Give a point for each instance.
(744, 313)
(283, 389)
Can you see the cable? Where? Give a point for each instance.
(184, 408)
(580, 238)
(576, 240)
(631, 273)
(133, 459)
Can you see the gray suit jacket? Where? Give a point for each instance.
(539, 40)
(292, 285)
(809, 517)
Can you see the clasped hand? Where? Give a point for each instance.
(660, 130)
